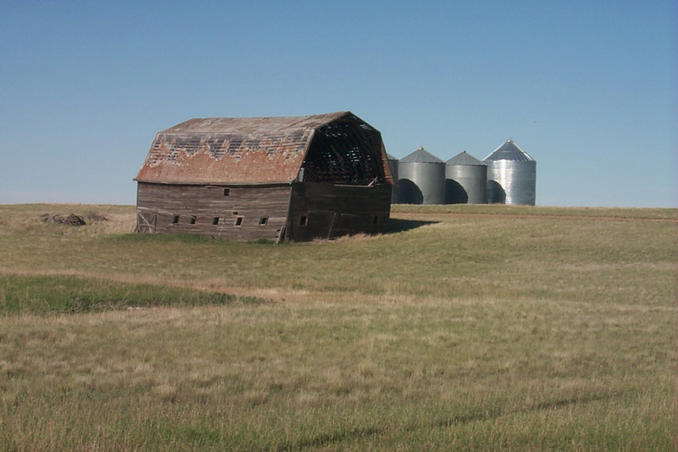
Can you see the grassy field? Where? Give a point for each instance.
(463, 327)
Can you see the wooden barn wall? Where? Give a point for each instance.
(330, 210)
(159, 205)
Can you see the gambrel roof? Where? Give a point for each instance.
(266, 150)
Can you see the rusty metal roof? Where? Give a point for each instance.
(265, 150)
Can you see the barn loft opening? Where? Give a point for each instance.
(346, 151)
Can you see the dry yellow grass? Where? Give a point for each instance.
(476, 331)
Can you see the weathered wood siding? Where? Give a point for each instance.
(330, 210)
(167, 208)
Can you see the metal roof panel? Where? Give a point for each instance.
(466, 159)
(421, 155)
(509, 151)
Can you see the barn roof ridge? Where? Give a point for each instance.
(256, 150)
(217, 123)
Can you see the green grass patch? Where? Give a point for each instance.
(71, 294)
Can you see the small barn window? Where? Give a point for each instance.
(175, 219)
(375, 220)
(227, 192)
(215, 220)
(238, 221)
(263, 220)
(193, 219)
(303, 221)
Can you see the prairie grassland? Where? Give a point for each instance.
(486, 327)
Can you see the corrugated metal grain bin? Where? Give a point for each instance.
(465, 180)
(421, 178)
(393, 166)
(511, 175)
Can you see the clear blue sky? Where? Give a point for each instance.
(588, 88)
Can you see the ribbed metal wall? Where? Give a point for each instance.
(393, 165)
(421, 178)
(511, 176)
(465, 180)
(471, 179)
(512, 182)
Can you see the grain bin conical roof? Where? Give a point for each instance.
(509, 151)
(421, 155)
(465, 159)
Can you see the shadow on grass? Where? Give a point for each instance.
(327, 439)
(395, 225)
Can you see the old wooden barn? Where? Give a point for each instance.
(277, 178)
